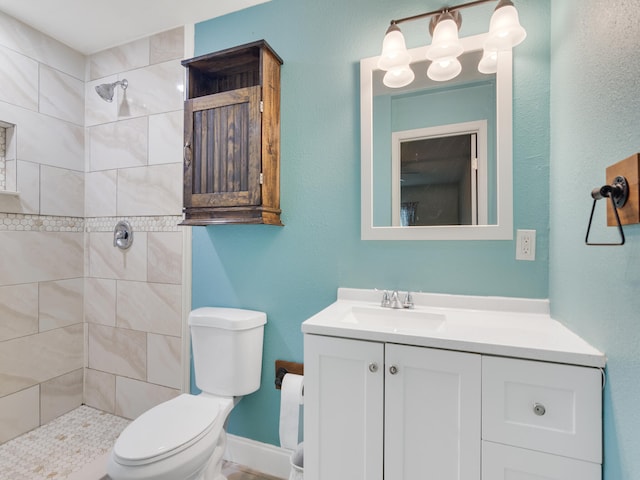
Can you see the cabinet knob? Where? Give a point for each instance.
(539, 409)
(373, 367)
(187, 154)
(393, 369)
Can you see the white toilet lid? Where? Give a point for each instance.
(166, 427)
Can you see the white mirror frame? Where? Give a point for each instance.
(503, 229)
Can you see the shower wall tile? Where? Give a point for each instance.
(18, 311)
(34, 359)
(164, 257)
(118, 351)
(60, 395)
(40, 256)
(100, 193)
(19, 413)
(107, 261)
(49, 141)
(149, 307)
(155, 89)
(165, 138)
(100, 390)
(19, 79)
(61, 192)
(61, 303)
(119, 145)
(96, 110)
(119, 59)
(167, 45)
(28, 184)
(164, 361)
(133, 398)
(61, 95)
(21, 38)
(100, 301)
(150, 190)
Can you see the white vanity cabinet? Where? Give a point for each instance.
(376, 410)
(457, 388)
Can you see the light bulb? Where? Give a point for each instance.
(505, 31)
(444, 69)
(394, 50)
(399, 77)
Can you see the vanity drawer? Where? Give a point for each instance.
(501, 462)
(548, 407)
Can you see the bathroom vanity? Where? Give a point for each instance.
(456, 388)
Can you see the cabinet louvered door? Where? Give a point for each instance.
(222, 150)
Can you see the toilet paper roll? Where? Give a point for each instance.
(290, 401)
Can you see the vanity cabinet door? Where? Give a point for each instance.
(343, 411)
(432, 414)
(503, 462)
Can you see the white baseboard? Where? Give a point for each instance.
(259, 456)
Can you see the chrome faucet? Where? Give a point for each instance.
(392, 300)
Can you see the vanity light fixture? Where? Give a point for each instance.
(505, 32)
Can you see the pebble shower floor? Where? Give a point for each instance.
(62, 447)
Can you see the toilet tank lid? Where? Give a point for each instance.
(227, 318)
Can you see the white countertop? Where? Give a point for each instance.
(511, 327)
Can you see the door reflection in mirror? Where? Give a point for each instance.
(439, 175)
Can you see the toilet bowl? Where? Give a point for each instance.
(184, 438)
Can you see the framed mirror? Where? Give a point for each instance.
(437, 156)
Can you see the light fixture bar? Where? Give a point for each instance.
(440, 10)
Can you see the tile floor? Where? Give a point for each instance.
(62, 447)
(75, 446)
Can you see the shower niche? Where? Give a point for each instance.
(232, 137)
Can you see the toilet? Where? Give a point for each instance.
(184, 438)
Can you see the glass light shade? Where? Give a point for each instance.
(445, 42)
(444, 69)
(489, 62)
(399, 77)
(505, 31)
(394, 50)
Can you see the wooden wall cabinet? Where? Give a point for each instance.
(232, 137)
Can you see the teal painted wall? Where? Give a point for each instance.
(293, 272)
(595, 122)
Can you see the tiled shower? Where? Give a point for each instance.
(80, 320)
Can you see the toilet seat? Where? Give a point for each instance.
(166, 429)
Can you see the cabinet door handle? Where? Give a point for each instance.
(393, 369)
(373, 367)
(539, 409)
(187, 154)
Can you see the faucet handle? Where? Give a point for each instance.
(385, 299)
(408, 301)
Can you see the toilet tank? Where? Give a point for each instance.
(227, 349)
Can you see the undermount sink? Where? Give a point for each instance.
(395, 319)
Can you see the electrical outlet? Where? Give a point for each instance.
(526, 245)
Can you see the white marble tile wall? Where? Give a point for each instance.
(71, 329)
(3, 151)
(133, 299)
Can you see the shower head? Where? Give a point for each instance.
(106, 90)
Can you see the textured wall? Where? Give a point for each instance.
(294, 271)
(594, 123)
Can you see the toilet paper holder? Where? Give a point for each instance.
(282, 367)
